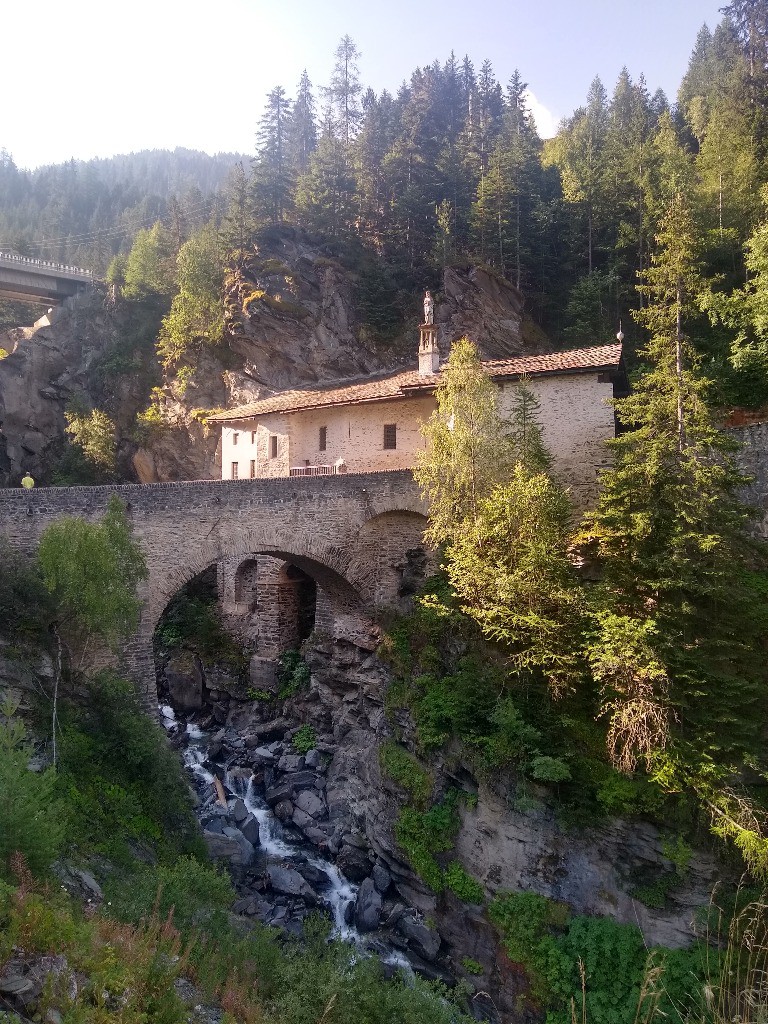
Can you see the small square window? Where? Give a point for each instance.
(273, 446)
(235, 471)
(235, 437)
(253, 469)
(390, 435)
(323, 438)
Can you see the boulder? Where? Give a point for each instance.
(239, 810)
(302, 820)
(368, 908)
(425, 942)
(353, 863)
(250, 829)
(231, 845)
(184, 678)
(289, 882)
(313, 759)
(381, 878)
(283, 790)
(310, 803)
(291, 763)
(78, 882)
(315, 876)
(284, 810)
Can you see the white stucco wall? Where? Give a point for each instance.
(355, 433)
(575, 417)
(253, 445)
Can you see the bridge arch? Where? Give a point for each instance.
(350, 533)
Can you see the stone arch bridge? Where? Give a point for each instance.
(356, 536)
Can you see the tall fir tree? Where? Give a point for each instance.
(272, 176)
(679, 625)
(302, 130)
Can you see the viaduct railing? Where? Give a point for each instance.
(47, 267)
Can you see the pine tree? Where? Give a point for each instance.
(272, 175)
(525, 431)
(238, 222)
(679, 625)
(343, 92)
(302, 131)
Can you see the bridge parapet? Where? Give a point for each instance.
(47, 267)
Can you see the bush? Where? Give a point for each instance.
(293, 675)
(594, 958)
(191, 622)
(140, 794)
(304, 739)
(32, 819)
(197, 894)
(403, 768)
(423, 834)
(548, 769)
(462, 884)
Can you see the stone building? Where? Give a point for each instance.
(372, 424)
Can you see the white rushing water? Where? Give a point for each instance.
(273, 840)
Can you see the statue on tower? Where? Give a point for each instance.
(429, 308)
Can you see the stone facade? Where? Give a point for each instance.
(375, 423)
(351, 535)
(353, 433)
(575, 416)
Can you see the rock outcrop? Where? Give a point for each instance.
(60, 359)
(336, 801)
(292, 318)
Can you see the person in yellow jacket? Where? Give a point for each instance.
(27, 482)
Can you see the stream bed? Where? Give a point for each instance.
(283, 873)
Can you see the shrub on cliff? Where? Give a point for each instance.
(92, 570)
(32, 818)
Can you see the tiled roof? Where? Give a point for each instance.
(409, 383)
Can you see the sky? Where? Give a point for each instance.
(87, 78)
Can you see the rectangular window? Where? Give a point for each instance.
(390, 435)
(253, 437)
(323, 438)
(235, 437)
(273, 447)
(253, 469)
(235, 472)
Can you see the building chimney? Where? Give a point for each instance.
(429, 353)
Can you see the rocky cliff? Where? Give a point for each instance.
(65, 356)
(337, 801)
(293, 316)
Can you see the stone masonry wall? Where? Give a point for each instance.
(753, 458)
(322, 525)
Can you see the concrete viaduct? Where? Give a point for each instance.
(39, 280)
(353, 535)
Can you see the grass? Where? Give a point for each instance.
(127, 969)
